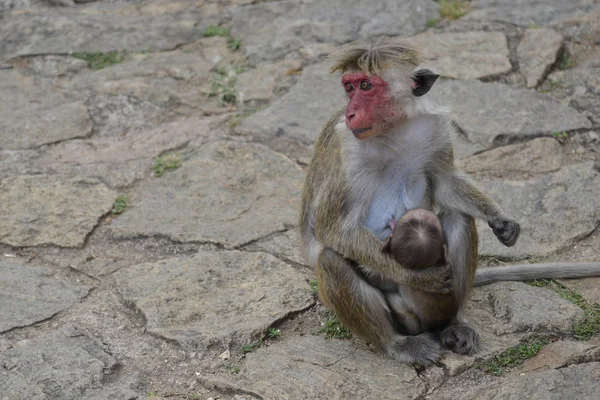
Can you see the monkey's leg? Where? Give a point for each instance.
(363, 309)
(461, 240)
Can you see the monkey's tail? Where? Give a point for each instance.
(530, 272)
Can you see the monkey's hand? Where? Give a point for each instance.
(436, 279)
(506, 230)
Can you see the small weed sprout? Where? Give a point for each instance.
(273, 333)
(166, 162)
(120, 204)
(432, 22)
(314, 285)
(252, 346)
(214, 30)
(101, 60)
(234, 369)
(454, 9)
(560, 136)
(333, 328)
(223, 86)
(565, 62)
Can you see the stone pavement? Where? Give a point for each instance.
(151, 162)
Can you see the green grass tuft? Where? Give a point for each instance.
(560, 136)
(454, 9)
(314, 285)
(432, 22)
(120, 204)
(101, 60)
(273, 333)
(514, 356)
(252, 346)
(333, 328)
(166, 162)
(565, 62)
(214, 30)
(223, 86)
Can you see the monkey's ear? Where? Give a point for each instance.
(387, 246)
(423, 80)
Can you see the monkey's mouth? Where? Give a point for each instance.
(360, 132)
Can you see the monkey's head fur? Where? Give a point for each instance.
(383, 85)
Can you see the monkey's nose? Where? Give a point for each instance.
(350, 116)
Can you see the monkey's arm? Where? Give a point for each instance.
(529, 272)
(454, 191)
(360, 244)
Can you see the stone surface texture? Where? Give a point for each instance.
(228, 192)
(485, 109)
(273, 29)
(121, 280)
(300, 114)
(30, 295)
(314, 368)
(537, 52)
(49, 209)
(214, 298)
(542, 206)
(464, 55)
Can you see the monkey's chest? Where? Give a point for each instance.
(393, 196)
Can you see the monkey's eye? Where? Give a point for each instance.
(365, 85)
(349, 87)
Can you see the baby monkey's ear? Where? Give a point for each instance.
(387, 246)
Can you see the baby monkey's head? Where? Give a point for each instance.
(417, 240)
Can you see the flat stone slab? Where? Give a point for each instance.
(482, 111)
(260, 85)
(577, 382)
(283, 245)
(589, 288)
(553, 210)
(30, 294)
(34, 127)
(537, 52)
(273, 29)
(528, 13)
(523, 308)
(535, 157)
(65, 364)
(504, 313)
(311, 367)
(464, 55)
(560, 354)
(121, 160)
(175, 79)
(214, 298)
(228, 192)
(578, 87)
(301, 114)
(51, 210)
(103, 27)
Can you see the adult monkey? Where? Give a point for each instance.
(390, 152)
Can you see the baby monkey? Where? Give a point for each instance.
(417, 242)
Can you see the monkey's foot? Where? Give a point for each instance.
(461, 339)
(421, 350)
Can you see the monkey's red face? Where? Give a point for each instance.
(371, 110)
